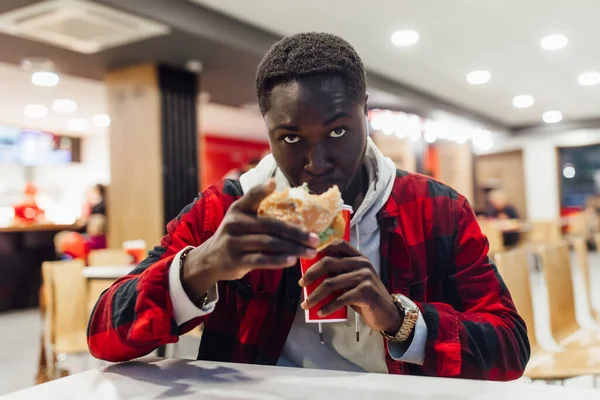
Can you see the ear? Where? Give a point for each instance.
(367, 103)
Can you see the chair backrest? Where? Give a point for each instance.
(544, 232)
(556, 265)
(578, 224)
(583, 264)
(513, 266)
(66, 312)
(492, 231)
(108, 257)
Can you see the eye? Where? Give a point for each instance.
(291, 139)
(337, 133)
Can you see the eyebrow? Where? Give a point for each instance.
(286, 127)
(336, 117)
(331, 120)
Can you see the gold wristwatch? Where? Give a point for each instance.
(411, 313)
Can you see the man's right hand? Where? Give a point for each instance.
(244, 242)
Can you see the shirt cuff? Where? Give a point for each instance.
(415, 354)
(184, 309)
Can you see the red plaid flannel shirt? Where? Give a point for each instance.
(432, 250)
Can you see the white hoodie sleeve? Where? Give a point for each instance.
(184, 309)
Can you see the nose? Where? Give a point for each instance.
(317, 163)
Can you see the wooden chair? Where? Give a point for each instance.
(556, 265)
(493, 233)
(107, 257)
(543, 232)
(543, 365)
(583, 264)
(65, 312)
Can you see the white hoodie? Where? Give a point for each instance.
(341, 351)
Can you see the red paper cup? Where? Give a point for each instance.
(340, 315)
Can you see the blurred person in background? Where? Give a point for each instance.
(439, 310)
(95, 205)
(70, 245)
(500, 209)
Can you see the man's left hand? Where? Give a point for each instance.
(351, 272)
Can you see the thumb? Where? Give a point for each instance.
(249, 202)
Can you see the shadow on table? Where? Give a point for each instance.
(179, 377)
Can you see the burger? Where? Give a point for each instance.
(320, 214)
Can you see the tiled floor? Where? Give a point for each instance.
(19, 344)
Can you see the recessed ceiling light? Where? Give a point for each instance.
(101, 120)
(552, 117)
(589, 78)
(478, 77)
(405, 38)
(44, 79)
(78, 125)
(64, 106)
(554, 42)
(523, 101)
(430, 136)
(35, 111)
(194, 66)
(482, 139)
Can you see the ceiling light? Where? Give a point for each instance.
(101, 120)
(195, 66)
(44, 79)
(414, 135)
(405, 38)
(35, 111)
(482, 139)
(589, 78)
(523, 101)
(64, 106)
(460, 137)
(77, 125)
(554, 42)
(478, 77)
(552, 117)
(430, 136)
(569, 171)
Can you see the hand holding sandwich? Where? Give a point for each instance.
(244, 242)
(351, 272)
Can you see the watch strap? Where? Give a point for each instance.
(411, 315)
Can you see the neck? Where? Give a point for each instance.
(355, 193)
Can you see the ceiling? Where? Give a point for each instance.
(457, 37)
(88, 94)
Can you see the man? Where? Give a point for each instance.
(501, 209)
(421, 278)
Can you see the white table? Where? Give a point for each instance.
(107, 272)
(153, 378)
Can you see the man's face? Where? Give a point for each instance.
(317, 132)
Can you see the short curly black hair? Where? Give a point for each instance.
(307, 54)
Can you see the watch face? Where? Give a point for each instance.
(406, 302)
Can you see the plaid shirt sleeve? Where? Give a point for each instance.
(135, 315)
(476, 333)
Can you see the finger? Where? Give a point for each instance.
(329, 266)
(348, 298)
(268, 261)
(275, 228)
(270, 245)
(249, 202)
(331, 285)
(341, 248)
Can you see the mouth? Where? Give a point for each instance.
(321, 186)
